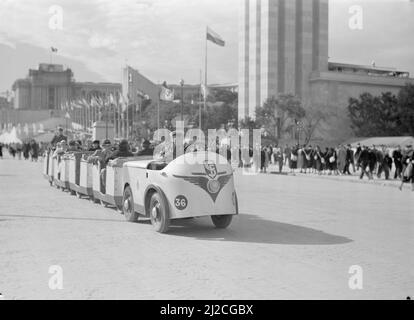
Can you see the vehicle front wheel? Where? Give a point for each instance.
(128, 206)
(158, 210)
(222, 222)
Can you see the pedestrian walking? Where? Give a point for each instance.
(408, 167)
(364, 163)
(397, 157)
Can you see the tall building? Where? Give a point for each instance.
(283, 48)
(48, 87)
(281, 42)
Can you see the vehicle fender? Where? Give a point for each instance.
(160, 192)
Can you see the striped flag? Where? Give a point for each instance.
(215, 38)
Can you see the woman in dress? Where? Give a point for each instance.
(293, 164)
(301, 159)
(317, 160)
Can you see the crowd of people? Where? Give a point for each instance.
(29, 149)
(374, 161)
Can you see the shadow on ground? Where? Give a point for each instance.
(253, 229)
(57, 218)
(245, 228)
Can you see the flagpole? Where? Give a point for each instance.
(158, 106)
(106, 121)
(158, 114)
(87, 116)
(199, 100)
(127, 121)
(205, 72)
(119, 117)
(133, 118)
(114, 119)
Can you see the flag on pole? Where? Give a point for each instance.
(204, 90)
(215, 38)
(85, 103)
(122, 102)
(94, 103)
(166, 93)
(111, 99)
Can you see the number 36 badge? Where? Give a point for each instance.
(180, 202)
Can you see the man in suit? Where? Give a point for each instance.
(365, 159)
(397, 157)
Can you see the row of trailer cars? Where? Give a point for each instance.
(195, 184)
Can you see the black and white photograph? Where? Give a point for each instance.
(233, 151)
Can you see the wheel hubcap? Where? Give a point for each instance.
(155, 212)
(127, 204)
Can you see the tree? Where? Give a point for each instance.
(278, 115)
(375, 116)
(314, 121)
(221, 95)
(248, 123)
(406, 108)
(218, 115)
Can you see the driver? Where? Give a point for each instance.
(146, 149)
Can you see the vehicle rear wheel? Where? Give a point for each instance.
(103, 203)
(128, 206)
(222, 222)
(159, 213)
(78, 195)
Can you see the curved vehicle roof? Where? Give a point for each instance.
(187, 163)
(194, 162)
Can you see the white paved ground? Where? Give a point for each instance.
(296, 237)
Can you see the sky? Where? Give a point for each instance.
(165, 39)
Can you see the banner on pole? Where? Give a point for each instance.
(215, 38)
(166, 93)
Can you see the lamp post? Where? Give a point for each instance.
(182, 99)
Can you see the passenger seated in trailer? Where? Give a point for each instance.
(101, 154)
(95, 146)
(123, 151)
(61, 148)
(146, 149)
(107, 155)
(73, 146)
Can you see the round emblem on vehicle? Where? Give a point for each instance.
(213, 186)
(180, 202)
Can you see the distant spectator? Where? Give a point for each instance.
(58, 137)
(397, 157)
